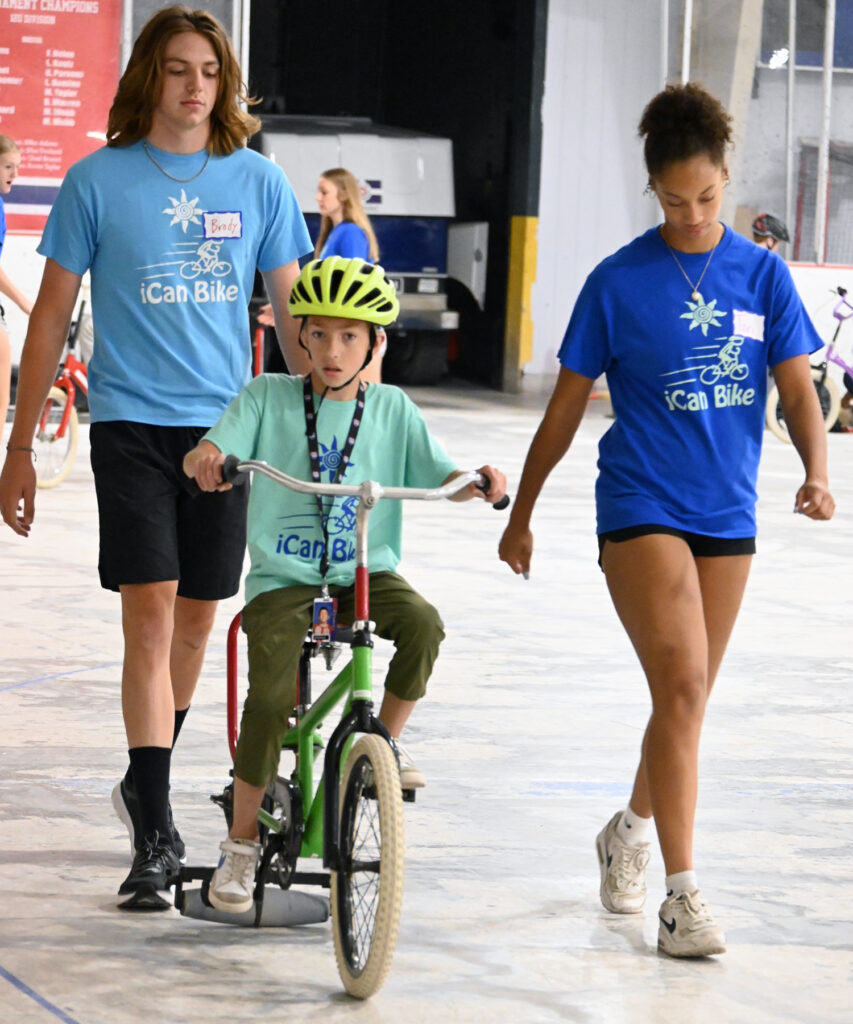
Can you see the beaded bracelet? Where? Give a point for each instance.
(21, 448)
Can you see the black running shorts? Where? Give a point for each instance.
(154, 524)
(700, 544)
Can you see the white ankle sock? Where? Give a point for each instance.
(680, 882)
(632, 829)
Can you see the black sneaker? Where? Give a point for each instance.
(155, 869)
(126, 807)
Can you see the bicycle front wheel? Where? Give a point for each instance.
(827, 395)
(367, 893)
(55, 453)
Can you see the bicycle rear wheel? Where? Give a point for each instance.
(827, 394)
(55, 455)
(367, 893)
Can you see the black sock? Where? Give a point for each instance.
(179, 721)
(150, 769)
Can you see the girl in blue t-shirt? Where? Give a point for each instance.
(10, 161)
(345, 230)
(344, 226)
(685, 321)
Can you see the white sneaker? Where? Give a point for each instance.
(687, 928)
(411, 777)
(623, 870)
(233, 881)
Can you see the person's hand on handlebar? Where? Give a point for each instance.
(204, 465)
(492, 490)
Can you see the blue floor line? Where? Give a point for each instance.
(59, 675)
(27, 991)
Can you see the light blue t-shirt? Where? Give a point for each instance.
(688, 380)
(394, 447)
(347, 239)
(173, 268)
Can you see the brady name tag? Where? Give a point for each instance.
(221, 224)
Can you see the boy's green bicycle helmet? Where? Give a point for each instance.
(348, 288)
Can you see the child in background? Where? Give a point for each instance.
(10, 161)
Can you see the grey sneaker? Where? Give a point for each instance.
(411, 777)
(623, 870)
(687, 928)
(233, 884)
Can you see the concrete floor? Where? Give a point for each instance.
(529, 737)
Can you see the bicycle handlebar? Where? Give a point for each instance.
(842, 304)
(235, 471)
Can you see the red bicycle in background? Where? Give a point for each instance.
(55, 441)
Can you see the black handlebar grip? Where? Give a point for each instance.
(501, 504)
(230, 472)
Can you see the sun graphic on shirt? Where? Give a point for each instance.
(183, 211)
(702, 314)
(331, 458)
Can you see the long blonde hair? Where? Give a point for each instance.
(8, 145)
(349, 196)
(141, 84)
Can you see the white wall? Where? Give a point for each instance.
(602, 67)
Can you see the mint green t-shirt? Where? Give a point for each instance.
(394, 447)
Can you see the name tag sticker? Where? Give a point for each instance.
(221, 224)
(748, 325)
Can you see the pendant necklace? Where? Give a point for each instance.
(181, 181)
(695, 295)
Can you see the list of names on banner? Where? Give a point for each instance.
(59, 64)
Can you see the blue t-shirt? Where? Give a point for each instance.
(394, 447)
(347, 239)
(688, 380)
(173, 267)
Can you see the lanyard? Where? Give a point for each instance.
(314, 456)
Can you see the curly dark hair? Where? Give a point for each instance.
(139, 90)
(681, 122)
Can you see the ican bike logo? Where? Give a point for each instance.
(195, 269)
(711, 378)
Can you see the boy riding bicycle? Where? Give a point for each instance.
(321, 427)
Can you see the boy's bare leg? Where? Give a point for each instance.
(395, 712)
(247, 802)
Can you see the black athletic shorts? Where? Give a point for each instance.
(700, 544)
(154, 524)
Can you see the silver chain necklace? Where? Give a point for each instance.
(181, 181)
(695, 287)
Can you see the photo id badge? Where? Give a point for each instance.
(325, 617)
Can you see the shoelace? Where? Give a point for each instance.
(630, 861)
(239, 867)
(696, 908)
(404, 756)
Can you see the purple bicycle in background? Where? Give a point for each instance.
(827, 389)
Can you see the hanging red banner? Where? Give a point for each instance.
(59, 68)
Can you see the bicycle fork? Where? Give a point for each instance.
(360, 717)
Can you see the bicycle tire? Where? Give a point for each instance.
(366, 902)
(55, 455)
(828, 396)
